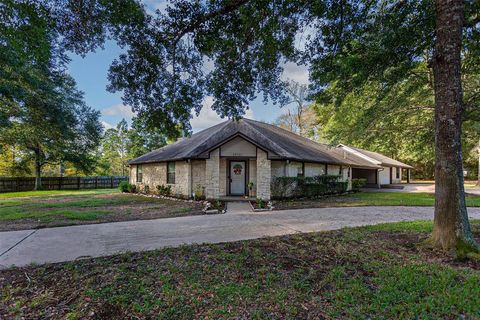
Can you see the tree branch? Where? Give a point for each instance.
(234, 5)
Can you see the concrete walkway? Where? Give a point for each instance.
(235, 207)
(69, 243)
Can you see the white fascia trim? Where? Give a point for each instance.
(359, 154)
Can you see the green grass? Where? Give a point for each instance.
(403, 199)
(47, 193)
(374, 272)
(74, 208)
(29, 210)
(371, 199)
(18, 213)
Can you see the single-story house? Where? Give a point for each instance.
(222, 160)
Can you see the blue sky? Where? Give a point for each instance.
(91, 72)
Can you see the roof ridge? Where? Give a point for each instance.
(295, 135)
(260, 133)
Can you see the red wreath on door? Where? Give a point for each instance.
(237, 169)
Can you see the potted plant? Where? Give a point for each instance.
(251, 193)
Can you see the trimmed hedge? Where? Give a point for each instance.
(358, 183)
(307, 187)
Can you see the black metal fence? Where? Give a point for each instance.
(11, 184)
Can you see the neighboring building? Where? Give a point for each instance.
(220, 161)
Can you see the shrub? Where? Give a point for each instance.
(164, 190)
(146, 189)
(132, 188)
(307, 187)
(260, 203)
(199, 193)
(358, 183)
(123, 186)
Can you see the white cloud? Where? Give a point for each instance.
(298, 73)
(208, 117)
(119, 110)
(106, 125)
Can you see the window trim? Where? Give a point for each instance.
(397, 173)
(139, 173)
(168, 173)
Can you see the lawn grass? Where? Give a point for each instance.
(375, 272)
(28, 210)
(404, 199)
(371, 199)
(48, 193)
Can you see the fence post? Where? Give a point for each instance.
(111, 182)
(78, 182)
(60, 182)
(96, 182)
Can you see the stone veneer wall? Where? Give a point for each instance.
(133, 174)
(182, 186)
(252, 173)
(198, 177)
(264, 172)
(155, 174)
(222, 188)
(212, 171)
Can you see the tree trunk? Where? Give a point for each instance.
(451, 226)
(478, 173)
(38, 170)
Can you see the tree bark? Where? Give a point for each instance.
(38, 170)
(478, 173)
(451, 226)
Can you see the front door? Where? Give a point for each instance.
(237, 177)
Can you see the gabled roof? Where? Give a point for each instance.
(279, 143)
(374, 157)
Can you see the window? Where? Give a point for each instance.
(300, 169)
(398, 173)
(171, 172)
(139, 173)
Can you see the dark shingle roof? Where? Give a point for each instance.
(279, 143)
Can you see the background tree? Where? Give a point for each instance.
(114, 148)
(54, 126)
(141, 139)
(121, 144)
(41, 111)
(299, 116)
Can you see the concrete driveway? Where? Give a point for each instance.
(70, 243)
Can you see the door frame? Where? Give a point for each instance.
(229, 180)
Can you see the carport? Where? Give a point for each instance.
(371, 175)
(383, 176)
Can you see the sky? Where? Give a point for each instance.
(90, 73)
